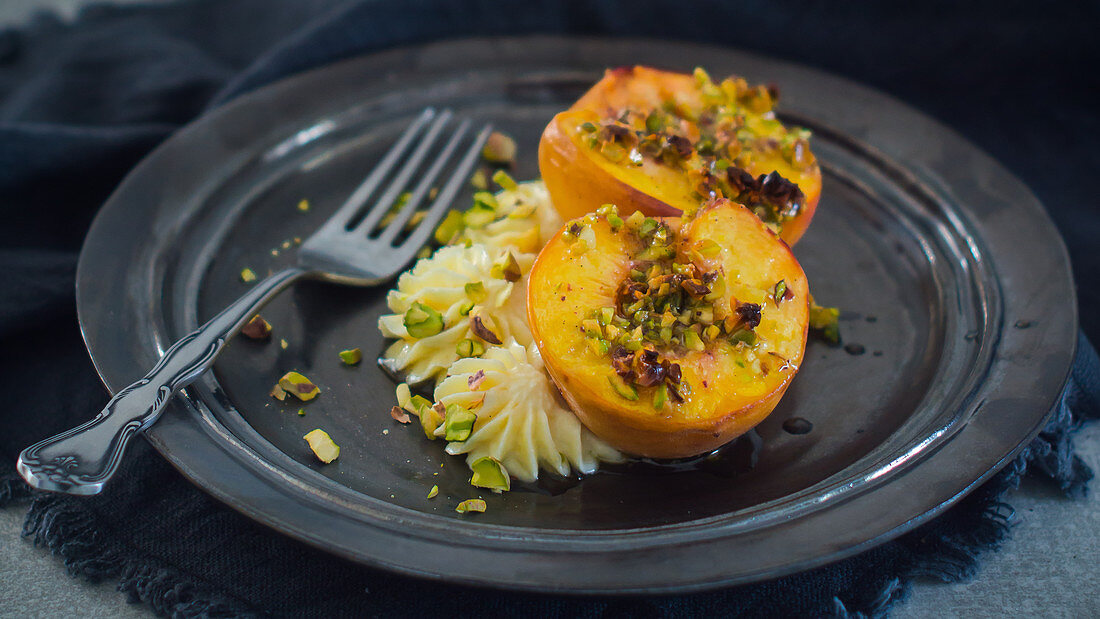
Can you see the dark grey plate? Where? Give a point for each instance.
(951, 276)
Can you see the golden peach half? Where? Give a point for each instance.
(731, 387)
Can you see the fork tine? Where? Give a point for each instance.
(363, 192)
(401, 180)
(398, 224)
(446, 195)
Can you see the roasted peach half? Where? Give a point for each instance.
(665, 142)
(669, 337)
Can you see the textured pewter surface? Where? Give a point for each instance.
(916, 239)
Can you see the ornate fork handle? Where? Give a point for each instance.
(83, 459)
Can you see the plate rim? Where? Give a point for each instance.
(160, 440)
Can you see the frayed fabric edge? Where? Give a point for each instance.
(72, 533)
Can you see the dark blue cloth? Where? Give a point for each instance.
(81, 103)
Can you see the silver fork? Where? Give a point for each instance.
(83, 459)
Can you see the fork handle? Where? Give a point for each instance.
(82, 460)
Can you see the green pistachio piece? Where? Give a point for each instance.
(278, 393)
(422, 321)
(480, 214)
(500, 177)
(465, 307)
(248, 275)
(660, 396)
(299, 386)
(322, 445)
(623, 389)
(592, 327)
(476, 291)
(507, 268)
(490, 473)
(635, 220)
(471, 505)
(418, 402)
(480, 329)
(458, 423)
(433, 492)
(469, 348)
(303, 205)
(826, 322)
(780, 291)
(351, 356)
(745, 336)
(449, 228)
(479, 180)
(430, 419)
(692, 341)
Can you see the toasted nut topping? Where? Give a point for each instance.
(256, 329)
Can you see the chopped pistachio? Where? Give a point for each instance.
(479, 180)
(248, 275)
(352, 356)
(422, 321)
(825, 321)
(299, 386)
(469, 348)
(322, 445)
(599, 346)
(606, 315)
(404, 396)
(303, 205)
(635, 220)
(278, 393)
(746, 336)
(418, 402)
(507, 268)
(449, 228)
(592, 327)
(655, 122)
(490, 473)
(626, 391)
(458, 423)
(692, 341)
(430, 419)
(487, 200)
(471, 505)
(256, 329)
(465, 307)
(301, 412)
(283, 344)
(479, 329)
(433, 492)
(499, 148)
(423, 252)
(500, 177)
(476, 291)
(480, 214)
(660, 397)
(781, 292)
